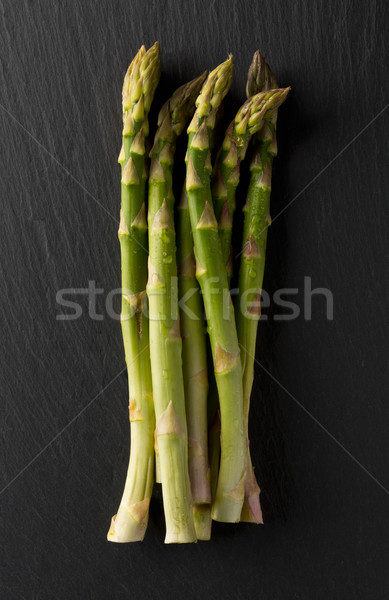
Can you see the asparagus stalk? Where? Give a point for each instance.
(165, 338)
(247, 121)
(140, 82)
(212, 277)
(194, 359)
(252, 263)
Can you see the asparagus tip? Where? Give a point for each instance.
(176, 111)
(260, 77)
(250, 116)
(142, 77)
(215, 88)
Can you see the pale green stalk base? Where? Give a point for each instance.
(176, 490)
(202, 521)
(130, 523)
(157, 468)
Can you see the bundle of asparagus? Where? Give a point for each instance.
(175, 297)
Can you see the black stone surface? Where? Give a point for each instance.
(64, 430)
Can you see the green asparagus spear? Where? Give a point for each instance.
(227, 169)
(194, 359)
(165, 338)
(248, 120)
(252, 264)
(212, 276)
(140, 82)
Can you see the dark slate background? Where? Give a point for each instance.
(320, 420)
